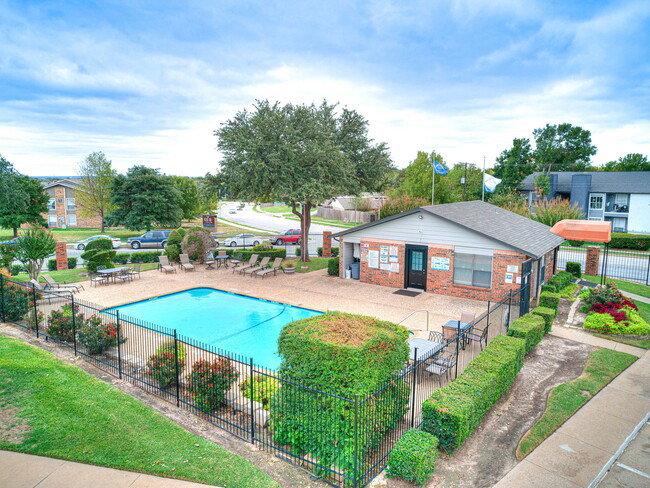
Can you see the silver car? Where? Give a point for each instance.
(242, 240)
(81, 245)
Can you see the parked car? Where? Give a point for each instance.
(81, 245)
(216, 240)
(292, 236)
(232, 211)
(152, 238)
(12, 242)
(242, 240)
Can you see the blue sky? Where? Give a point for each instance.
(149, 82)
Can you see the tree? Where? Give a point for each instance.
(189, 191)
(34, 246)
(299, 154)
(511, 201)
(401, 204)
(563, 147)
(144, 199)
(514, 164)
(551, 212)
(417, 179)
(23, 200)
(94, 191)
(458, 191)
(631, 162)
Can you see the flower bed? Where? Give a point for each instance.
(609, 312)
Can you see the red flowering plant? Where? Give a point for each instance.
(209, 381)
(162, 365)
(61, 324)
(98, 337)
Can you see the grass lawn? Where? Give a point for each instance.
(78, 234)
(73, 275)
(279, 209)
(636, 288)
(313, 265)
(603, 365)
(63, 412)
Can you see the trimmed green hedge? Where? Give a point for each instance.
(548, 314)
(549, 300)
(335, 251)
(51, 264)
(333, 266)
(145, 257)
(630, 241)
(414, 457)
(574, 268)
(452, 413)
(550, 288)
(245, 255)
(529, 327)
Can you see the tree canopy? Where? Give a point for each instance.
(94, 191)
(631, 162)
(143, 199)
(563, 147)
(23, 200)
(34, 246)
(417, 179)
(514, 164)
(190, 199)
(299, 154)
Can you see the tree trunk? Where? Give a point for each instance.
(101, 215)
(15, 232)
(305, 223)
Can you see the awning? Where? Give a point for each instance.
(583, 230)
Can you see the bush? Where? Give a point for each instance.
(61, 325)
(98, 257)
(630, 241)
(342, 355)
(176, 237)
(549, 300)
(122, 258)
(72, 263)
(263, 389)
(334, 250)
(402, 204)
(16, 301)
(262, 248)
(197, 243)
(547, 314)
(333, 266)
(162, 367)
(297, 251)
(245, 255)
(209, 381)
(145, 257)
(633, 324)
(452, 413)
(413, 457)
(173, 252)
(551, 288)
(51, 264)
(168, 346)
(610, 293)
(576, 243)
(529, 327)
(574, 268)
(16, 269)
(96, 336)
(100, 244)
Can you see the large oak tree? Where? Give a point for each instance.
(23, 200)
(299, 154)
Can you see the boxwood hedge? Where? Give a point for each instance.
(452, 413)
(548, 314)
(529, 327)
(413, 457)
(549, 300)
(245, 255)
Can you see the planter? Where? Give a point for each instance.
(289, 270)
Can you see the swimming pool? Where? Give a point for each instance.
(236, 323)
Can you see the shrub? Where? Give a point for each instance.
(176, 237)
(550, 212)
(574, 268)
(561, 280)
(549, 300)
(17, 268)
(334, 251)
(162, 367)
(72, 263)
(263, 389)
(569, 291)
(245, 255)
(610, 293)
(209, 381)
(96, 336)
(297, 251)
(402, 204)
(451, 413)
(173, 252)
(145, 257)
(98, 257)
(633, 324)
(549, 287)
(122, 258)
(630, 241)
(529, 327)
(51, 264)
(168, 346)
(16, 301)
(100, 244)
(262, 247)
(61, 324)
(547, 314)
(333, 266)
(343, 355)
(197, 243)
(576, 243)
(413, 457)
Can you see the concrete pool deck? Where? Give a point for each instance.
(315, 290)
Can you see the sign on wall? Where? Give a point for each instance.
(512, 268)
(383, 254)
(393, 258)
(373, 259)
(509, 277)
(441, 264)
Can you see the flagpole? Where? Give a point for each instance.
(433, 180)
(483, 193)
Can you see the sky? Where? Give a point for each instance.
(149, 82)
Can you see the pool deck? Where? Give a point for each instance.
(315, 290)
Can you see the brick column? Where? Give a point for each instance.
(327, 244)
(593, 261)
(61, 256)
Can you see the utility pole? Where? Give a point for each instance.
(465, 182)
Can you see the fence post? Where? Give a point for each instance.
(647, 281)
(2, 297)
(178, 379)
(74, 325)
(356, 440)
(118, 326)
(415, 377)
(487, 326)
(251, 382)
(457, 355)
(509, 310)
(35, 311)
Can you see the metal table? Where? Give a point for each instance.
(112, 272)
(425, 349)
(222, 260)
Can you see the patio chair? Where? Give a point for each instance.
(436, 337)
(97, 278)
(250, 264)
(49, 294)
(470, 318)
(135, 270)
(124, 276)
(277, 263)
(164, 265)
(51, 284)
(185, 263)
(263, 264)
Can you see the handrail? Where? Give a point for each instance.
(414, 312)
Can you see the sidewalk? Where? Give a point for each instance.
(574, 454)
(27, 471)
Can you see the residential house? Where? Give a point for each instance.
(63, 208)
(467, 249)
(363, 208)
(621, 197)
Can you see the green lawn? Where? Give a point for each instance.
(313, 265)
(603, 365)
(66, 413)
(73, 275)
(77, 234)
(636, 288)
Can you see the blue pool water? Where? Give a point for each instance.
(242, 325)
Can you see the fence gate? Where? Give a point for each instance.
(524, 292)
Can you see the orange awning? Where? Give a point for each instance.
(583, 230)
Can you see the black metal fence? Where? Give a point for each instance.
(612, 263)
(250, 401)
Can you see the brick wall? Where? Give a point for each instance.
(61, 210)
(380, 276)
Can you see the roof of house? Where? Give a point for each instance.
(601, 181)
(526, 235)
(65, 182)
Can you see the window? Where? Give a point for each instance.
(51, 204)
(51, 220)
(596, 202)
(473, 270)
(72, 220)
(542, 270)
(70, 204)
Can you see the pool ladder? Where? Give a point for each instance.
(413, 313)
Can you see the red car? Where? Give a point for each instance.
(292, 236)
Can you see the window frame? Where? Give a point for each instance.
(474, 282)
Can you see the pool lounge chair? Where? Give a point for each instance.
(185, 263)
(263, 264)
(277, 263)
(50, 284)
(163, 265)
(49, 294)
(250, 264)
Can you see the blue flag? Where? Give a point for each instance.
(439, 169)
(490, 183)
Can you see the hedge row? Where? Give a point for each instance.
(574, 268)
(333, 266)
(137, 257)
(413, 457)
(548, 314)
(630, 241)
(549, 300)
(530, 328)
(51, 264)
(245, 255)
(558, 282)
(451, 413)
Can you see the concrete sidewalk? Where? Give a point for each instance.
(574, 454)
(27, 471)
